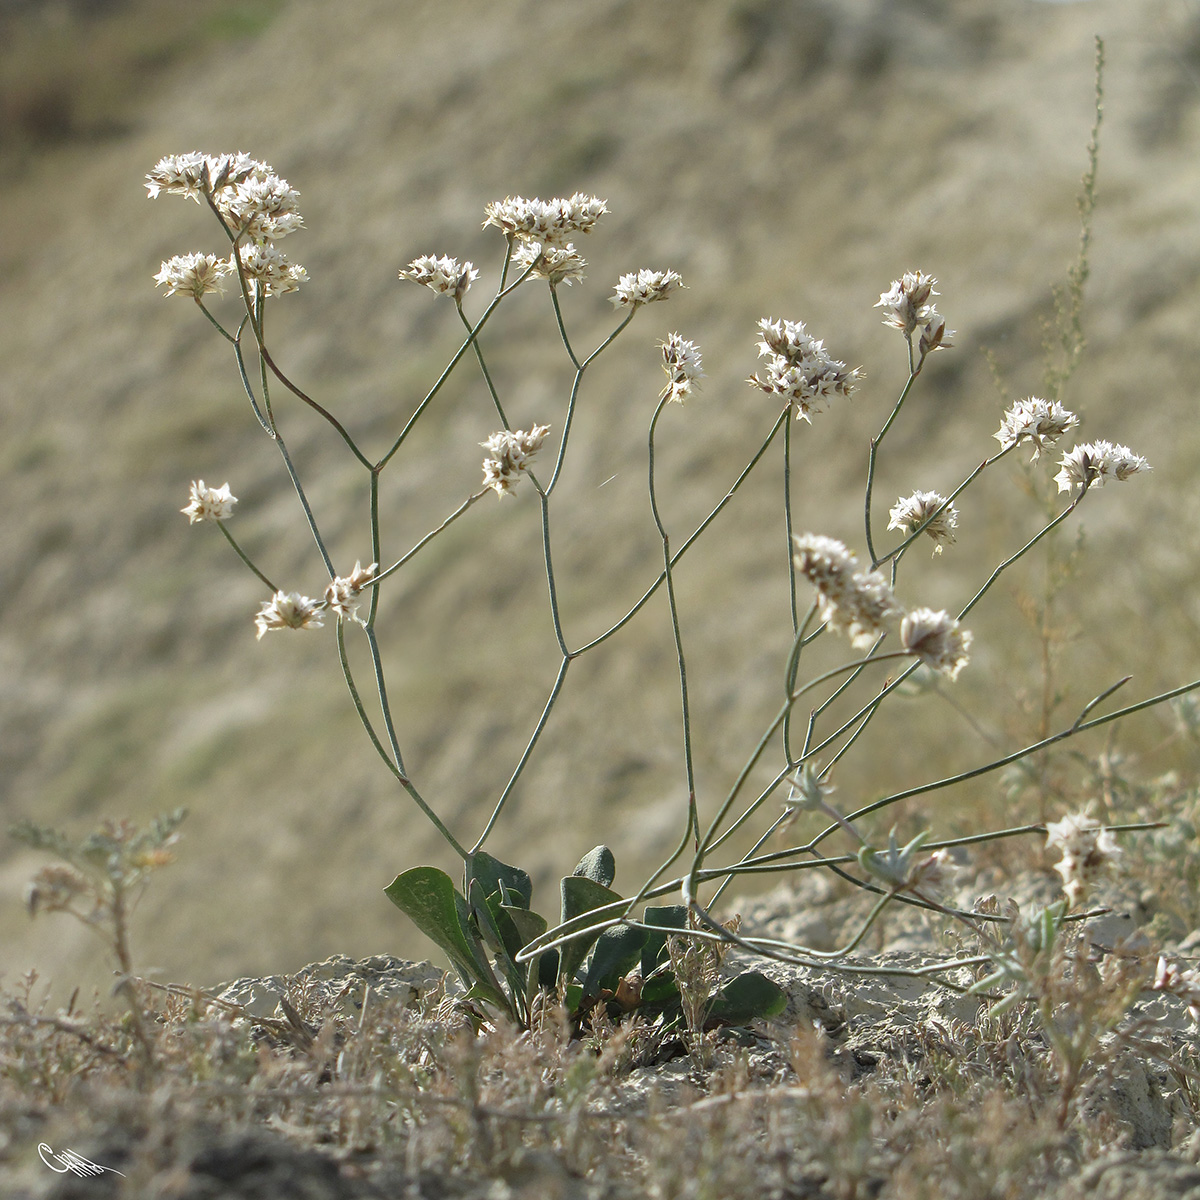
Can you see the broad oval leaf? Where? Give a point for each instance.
(746, 996)
(598, 864)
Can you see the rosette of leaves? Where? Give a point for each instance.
(483, 929)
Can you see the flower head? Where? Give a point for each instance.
(288, 610)
(195, 174)
(551, 222)
(807, 792)
(260, 206)
(509, 455)
(1175, 980)
(1041, 422)
(681, 361)
(209, 504)
(193, 275)
(908, 867)
(1094, 463)
(909, 513)
(856, 603)
(445, 276)
(554, 264)
(1086, 848)
(644, 287)
(907, 307)
(937, 639)
(342, 595)
(799, 368)
(269, 270)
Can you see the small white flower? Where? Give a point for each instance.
(937, 639)
(907, 307)
(209, 504)
(1041, 422)
(288, 610)
(1170, 977)
(1094, 463)
(194, 275)
(509, 455)
(856, 603)
(645, 287)
(261, 206)
(799, 368)
(445, 276)
(1086, 848)
(551, 222)
(269, 270)
(911, 512)
(554, 264)
(681, 361)
(807, 792)
(342, 595)
(194, 174)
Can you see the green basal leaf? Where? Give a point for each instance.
(617, 950)
(660, 992)
(428, 898)
(528, 925)
(598, 864)
(580, 897)
(748, 995)
(674, 916)
(483, 912)
(491, 873)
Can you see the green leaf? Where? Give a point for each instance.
(598, 864)
(528, 925)
(483, 910)
(660, 992)
(748, 995)
(674, 916)
(581, 896)
(428, 898)
(491, 873)
(617, 950)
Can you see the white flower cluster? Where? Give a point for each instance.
(551, 222)
(258, 208)
(1094, 463)
(860, 603)
(555, 264)
(1086, 848)
(853, 602)
(799, 368)
(194, 274)
(288, 610)
(269, 270)
(195, 174)
(907, 307)
(209, 504)
(681, 361)
(342, 595)
(509, 455)
(937, 639)
(262, 207)
(445, 276)
(645, 287)
(1170, 977)
(909, 513)
(1041, 422)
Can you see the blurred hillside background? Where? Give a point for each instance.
(789, 158)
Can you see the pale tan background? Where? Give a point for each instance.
(789, 159)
